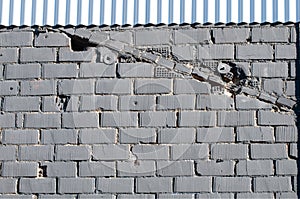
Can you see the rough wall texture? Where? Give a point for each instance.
(149, 112)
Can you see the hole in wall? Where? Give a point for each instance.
(80, 44)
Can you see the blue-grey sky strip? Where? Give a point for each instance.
(79, 3)
(91, 5)
(228, 18)
(124, 17)
(171, 11)
(252, 11)
(240, 14)
(22, 14)
(184, 13)
(159, 10)
(33, 12)
(263, 10)
(56, 7)
(286, 10)
(11, 11)
(217, 11)
(275, 8)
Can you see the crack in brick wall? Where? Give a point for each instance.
(170, 112)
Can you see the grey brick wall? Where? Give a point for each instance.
(149, 112)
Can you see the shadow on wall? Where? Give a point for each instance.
(297, 108)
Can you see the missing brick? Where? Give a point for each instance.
(62, 102)
(80, 44)
(42, 172)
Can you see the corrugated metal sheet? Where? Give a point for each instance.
(132, 12)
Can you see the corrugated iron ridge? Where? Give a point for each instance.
(121, 12)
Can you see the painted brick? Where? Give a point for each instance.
(117, 119)
(267, 97)
(76, 185)
(199, 118)
(231, 35)
(176, 102)
(151, 152)
(51, 40)
(183, 68)
(286, 167)
(22, 71)
(286, 195)
(154, 185)
(153, 86)
(113, 86)
(195, 36)
(36, 153)
(107, 103)
(39, 87)
(214, 195)
(191, 86)
(254, 167)
(235, 118)
(254, 195)
(232, 184)
(38, 55)
(97, 136)
(274, 86)
(255, 134)
(59, 136)
(8, 185)
(1, 72)
(42, 120)
(65, 54)
(7, 120)
(176, 196)
(66, 153)
(60, 169)
(268, 151)
(8, 55)
(115, 185)
(97, 37)
(175, 168)
(111, 152)
(286, 134)
(8, 153)
(135, 70)
(96, 169)
(293, 150)
(229, 151)
(8, 39)
(97, 70)
(19, 169)
(176, 135)
(137, 135)
(21, 104)
(270, 69)
(136, 168)
(213, 102)
(157, 119)
(32, 185)
(54, 196)
(290, 89)
(59, 70)
(248, 103)
(216, 51)
(60, 103)
(165, 63)
(271, 118)
(20, 137)
(96, 196)
(211, 135)
(193, 184)
(125, 36)
(270, 34)
(152, 37)
(183, 52)
(285, 51)
(80, 120)
(136, 103)
(254, 51)
(189, 152)
(16, 196)
(67, 87)
(272, 184)
(215, 168)
(9, 88)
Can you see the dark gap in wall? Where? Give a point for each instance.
(80, 44)
(297, 109)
